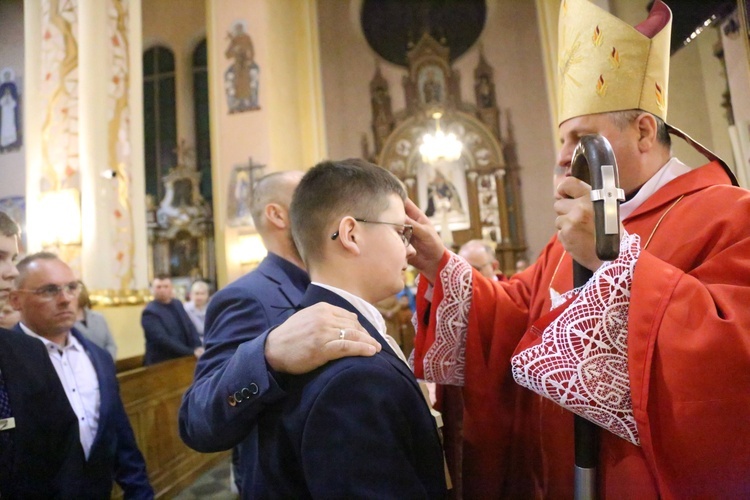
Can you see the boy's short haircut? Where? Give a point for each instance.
(332, 190)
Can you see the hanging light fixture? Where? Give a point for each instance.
(440, 146)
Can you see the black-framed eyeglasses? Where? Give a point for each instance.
(406, 229)
(50, 292)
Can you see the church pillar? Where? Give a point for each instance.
(85, 185)
(283, 128)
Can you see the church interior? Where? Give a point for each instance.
(133, 130)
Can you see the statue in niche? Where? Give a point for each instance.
(10, 110)
(485, 92)
(442, 195)
(242, 78)
(431, 85)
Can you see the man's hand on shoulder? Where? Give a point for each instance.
(313, 336)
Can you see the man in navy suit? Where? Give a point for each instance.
(359, 426)
(38, 429)
(168, 329)
(219, 412)
(46, 294)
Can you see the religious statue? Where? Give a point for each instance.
(485, 92)
(442, 193)
(242, 78)
(431, 89)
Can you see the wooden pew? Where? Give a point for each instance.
(152, 397)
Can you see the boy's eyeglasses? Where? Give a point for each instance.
(406, 229)
(50, 292)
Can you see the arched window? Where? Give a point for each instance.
(202, 121)
(159, 117)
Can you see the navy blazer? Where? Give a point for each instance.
(45, 439)
(114, 453)
(234, 364)
(357, 427)
(169, 332)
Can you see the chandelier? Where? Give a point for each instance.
(439, 145)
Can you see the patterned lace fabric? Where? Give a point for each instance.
(444, 361)
(582, 360)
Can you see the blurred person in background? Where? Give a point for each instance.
(196, 307)
(92, 325)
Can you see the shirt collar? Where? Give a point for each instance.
(367, 310)
(670, 171)
(72, 342)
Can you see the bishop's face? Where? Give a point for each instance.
(624, 144)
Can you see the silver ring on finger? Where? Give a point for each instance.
(342, 334)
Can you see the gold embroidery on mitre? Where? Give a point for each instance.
(570, 58)
(614, 58)
(596, 38)
(607, 65)
(660, 101)
(601, 86)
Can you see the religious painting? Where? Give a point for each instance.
(10, 112)
(242, 78)
(431, 84)
(183, 193)
(183, 255)
(241, 194)
(443, 195)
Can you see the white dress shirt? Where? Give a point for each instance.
(81, 384)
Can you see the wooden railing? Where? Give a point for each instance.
(152, 397)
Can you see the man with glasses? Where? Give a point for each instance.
(46, 294)
(481, 256)
(359, 426)
(38, 429)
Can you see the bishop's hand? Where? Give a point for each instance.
(425, 240)
(575, 222)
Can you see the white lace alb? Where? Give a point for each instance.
(582, 360)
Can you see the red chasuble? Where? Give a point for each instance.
(688, 357)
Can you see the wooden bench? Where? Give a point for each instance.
(152, 397)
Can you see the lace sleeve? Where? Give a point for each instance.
(444, 361)
(582, 360)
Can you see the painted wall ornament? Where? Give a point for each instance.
(10, 112)
(242, 78)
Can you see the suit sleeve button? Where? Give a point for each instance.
(232, 400)
(253, 388)
(246, 393)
